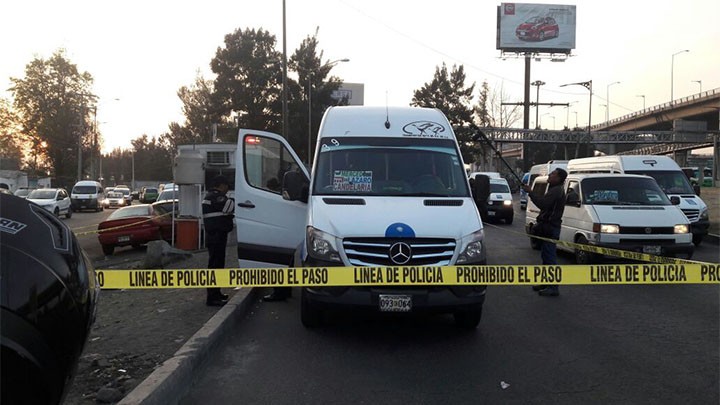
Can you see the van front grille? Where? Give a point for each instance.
(692, 215)
(376, 251)
(647, 230)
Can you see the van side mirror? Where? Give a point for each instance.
(696, 189)
(295, 187)
(675, 200)
(572, 199)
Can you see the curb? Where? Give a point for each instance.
(168, 383)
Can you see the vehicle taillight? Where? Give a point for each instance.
(255, 140)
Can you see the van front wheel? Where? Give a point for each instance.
(468, 318)
(310, 315)
(583, 256)
(697, 239)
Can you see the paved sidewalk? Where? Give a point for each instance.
(168, 383)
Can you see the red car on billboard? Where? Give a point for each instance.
(538, 29)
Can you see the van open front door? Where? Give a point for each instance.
(269, 228)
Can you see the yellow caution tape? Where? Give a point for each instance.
(115, 227)
(413, 276)
(623, 254)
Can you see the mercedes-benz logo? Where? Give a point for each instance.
(400, 253)
(648, 230)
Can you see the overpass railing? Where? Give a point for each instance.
(515, 135)
(705, 95)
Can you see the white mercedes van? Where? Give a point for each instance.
(388, 188)
(619, 211)
(665, 171)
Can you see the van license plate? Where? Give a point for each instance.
(395, 303)
(653, 250)
(123, 238)
(491, 213)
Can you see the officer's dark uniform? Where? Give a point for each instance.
(218, 211)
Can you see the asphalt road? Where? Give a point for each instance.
(599, 344)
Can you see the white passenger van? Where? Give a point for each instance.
(388, 188)
(544, 169)
(87, 194)
(665, 171)
(500, 201)
(619, 211)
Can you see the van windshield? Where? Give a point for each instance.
(670, 181)
(499, 188)
(614, 190)
(366, 166)
(84, 190)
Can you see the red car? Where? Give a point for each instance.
(538, 29)
(136, 225)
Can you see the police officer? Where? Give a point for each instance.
(218, 211)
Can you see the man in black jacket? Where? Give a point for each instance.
(552, 206)
(218, 212)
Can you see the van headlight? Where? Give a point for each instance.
(473, 250)
(681, 228)
(507, 202)
(322, 245)
(606, 228)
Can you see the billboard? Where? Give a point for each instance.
(524, 27)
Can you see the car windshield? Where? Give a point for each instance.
(168, 195)
(499, 188)
(124, 191)
(42, 194)
(115, 195)
(367, 166)
(127, 212)
(22, 192)
(151, 191)
(616, 190)
(534, 20)
(670, 181)
(84, 190)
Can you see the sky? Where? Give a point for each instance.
(141, 52)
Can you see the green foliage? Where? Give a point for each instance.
(447, 92)
(11, 142)
(249, 79)
(53, 102)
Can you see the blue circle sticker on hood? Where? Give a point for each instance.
(399, 230)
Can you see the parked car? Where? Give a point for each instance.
(126, 194)
(136, 225)
(169, 194)
(523, 193)
(114, 199)
(23, 192)
(148, 195)
(538, 29)
(55, 200)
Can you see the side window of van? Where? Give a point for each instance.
(266, 162)
(539, 187)
(572, 194)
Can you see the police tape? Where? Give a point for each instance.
(115, 227)
(612, 252)
(412, 276)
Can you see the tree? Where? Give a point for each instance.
(200, 108)
(11, 137)
(53, 103)
(448, 93)
(249, 79)
(316, 87)
(491, 112)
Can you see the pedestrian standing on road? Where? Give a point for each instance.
(218, 211)
(552, 206)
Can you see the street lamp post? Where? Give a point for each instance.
(606, 108)
(587, 85)
(672, 68)
(537, 83)
(309, 97)
(643, 97)
(575, 112)
(607, 98)
(698, 82)
(567, 107)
